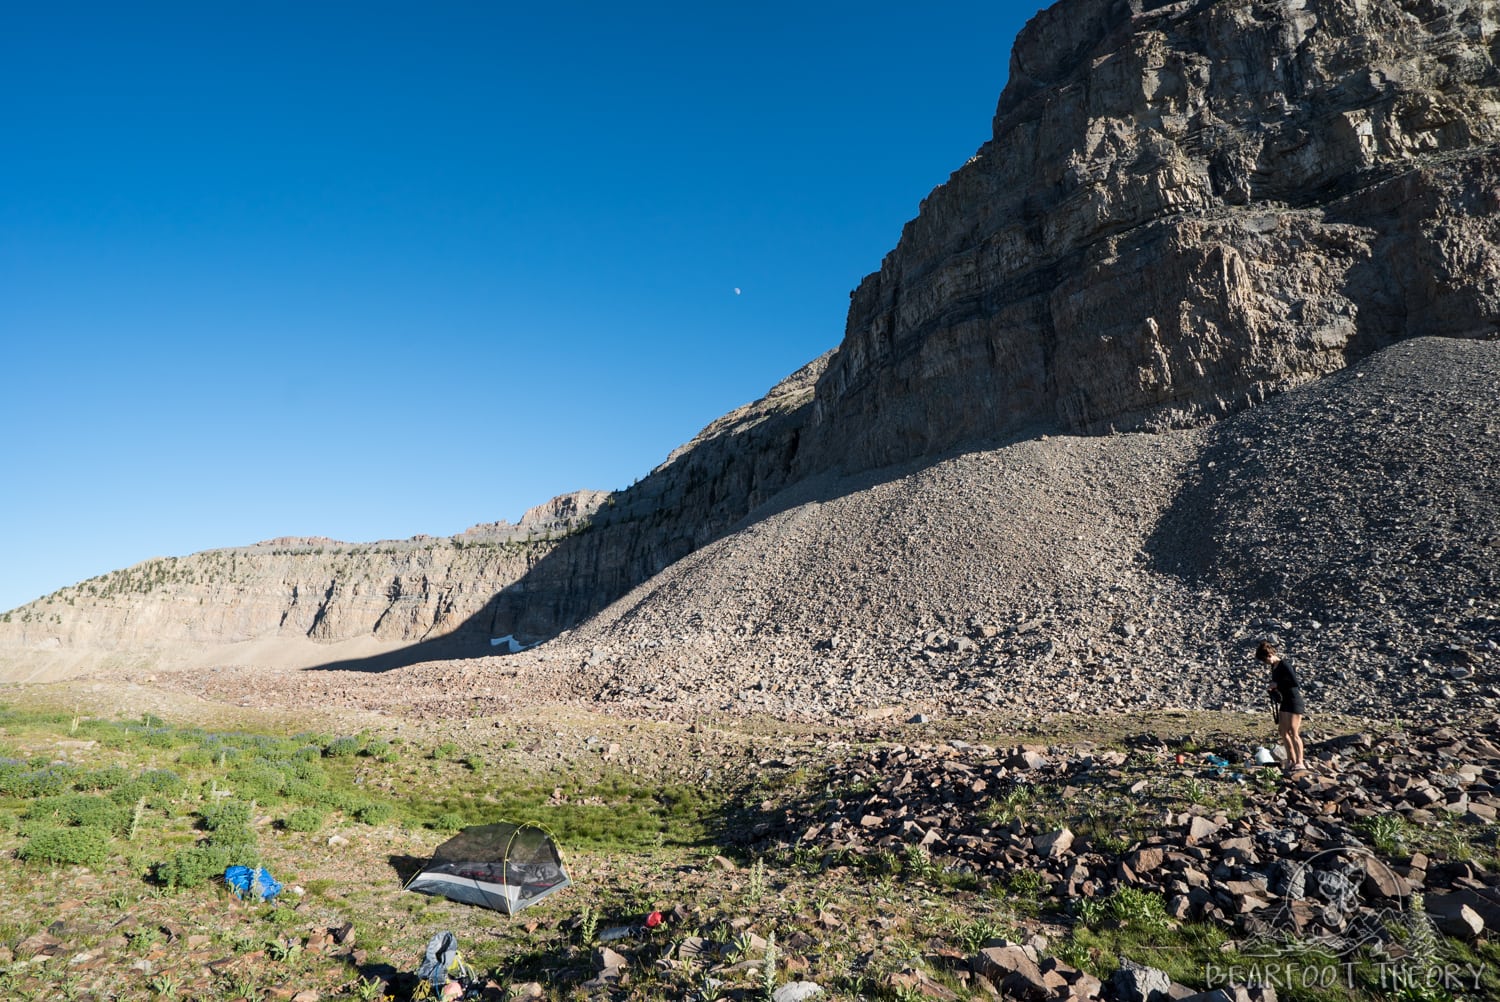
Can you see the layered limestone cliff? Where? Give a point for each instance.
(396, 592)
(1183, 207)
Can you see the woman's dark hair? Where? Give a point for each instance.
(1264, 652)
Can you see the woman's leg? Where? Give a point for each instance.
(1295, 727)
(1284, 735)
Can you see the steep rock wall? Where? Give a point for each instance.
(228, 596)
(1183, 208)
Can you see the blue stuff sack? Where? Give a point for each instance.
(442, 960)
(244, 881)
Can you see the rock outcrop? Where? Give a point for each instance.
(563, 514)
(395, 591)
(1329, 857)
(1183, 208)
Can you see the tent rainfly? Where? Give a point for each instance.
(501, 866)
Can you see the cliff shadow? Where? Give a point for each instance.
(461, 644)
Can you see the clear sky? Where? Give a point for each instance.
(367, 270)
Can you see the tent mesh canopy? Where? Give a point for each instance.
(502, 866)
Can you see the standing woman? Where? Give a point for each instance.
(1286, 693)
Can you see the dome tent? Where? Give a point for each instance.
(501, 866)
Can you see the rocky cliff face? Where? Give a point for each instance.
(327, 591)
(1183, 208)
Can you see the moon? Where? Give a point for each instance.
(736, 290)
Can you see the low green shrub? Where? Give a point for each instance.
(1389, 833)
(226, 814)
(163, 739)
(129, 793)
(27, 783)
(304, 819)
(377, 813)
(193, 866)
(449, 822)
(347, 801)
(344, 747)
(195, 757)
(307, 771)
(11, 770)
(111, 777)
(303, 792)
(1124, 905)
(80, 810)
(258, 780)
(242, 840)
(167, 805)
(164, 781)
(225, 755)
(82, 846)
(284, 915)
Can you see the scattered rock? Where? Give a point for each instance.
(1134, 982)
(1053, 844)
(797, 991)
(1454, 917)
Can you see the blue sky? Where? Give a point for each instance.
(367, 270)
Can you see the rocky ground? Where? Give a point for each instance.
(884, 859)
(1227, 851)
(1369, 854)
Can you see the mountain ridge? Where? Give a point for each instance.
(1185, 209)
